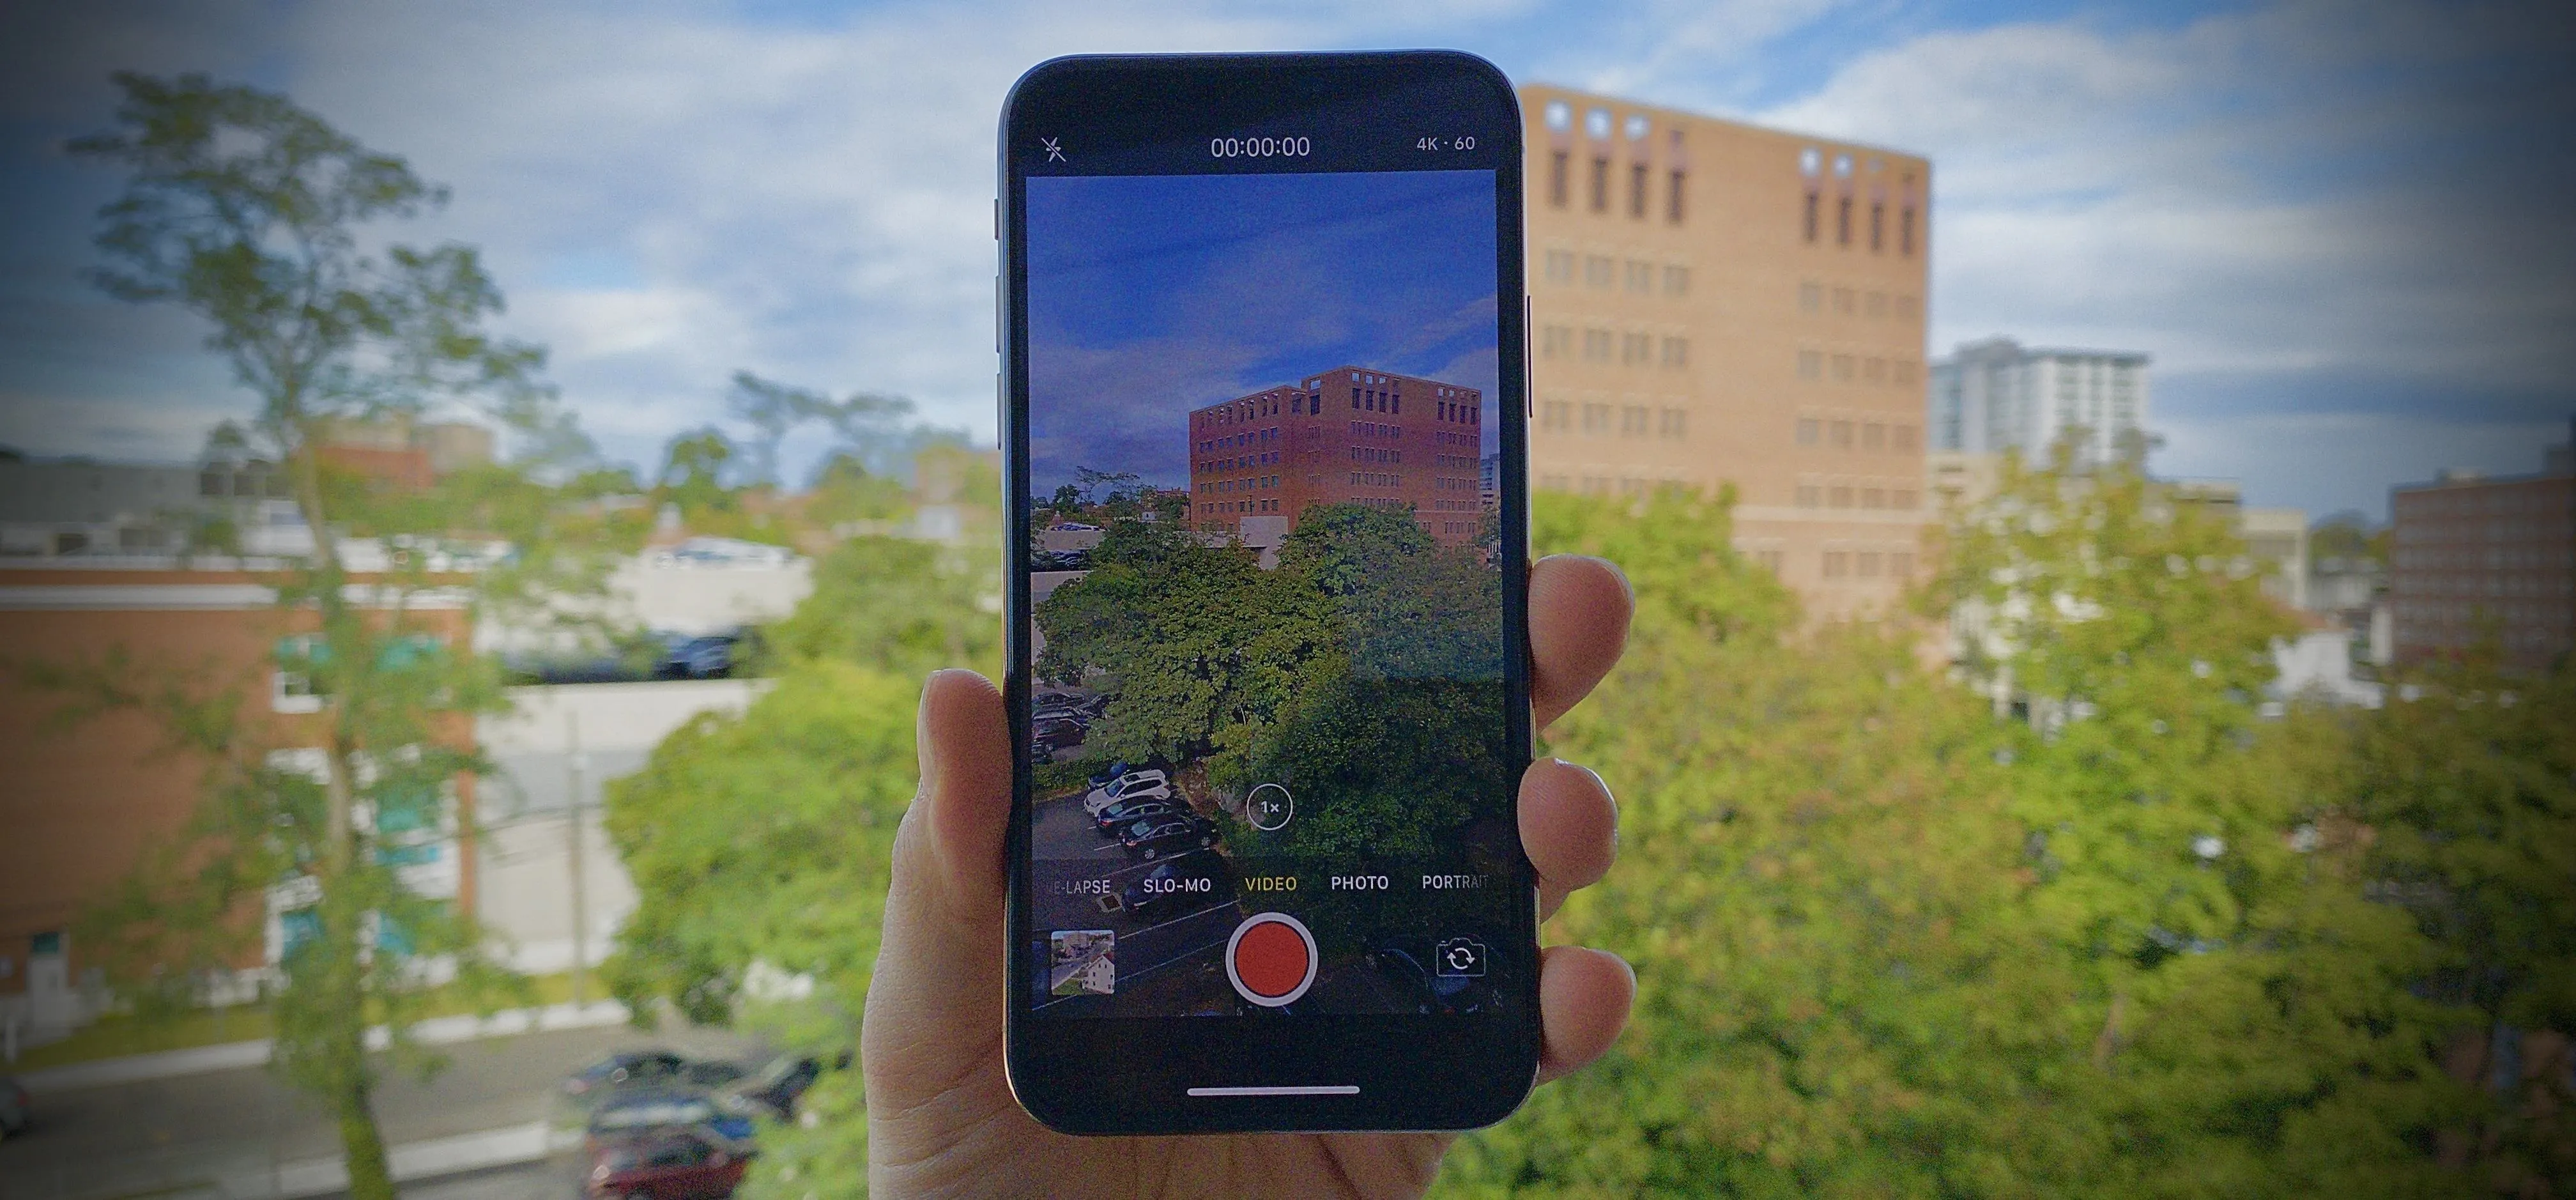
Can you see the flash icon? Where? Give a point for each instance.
(1055, 153)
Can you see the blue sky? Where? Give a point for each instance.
(2339, 229)
(1151, 296)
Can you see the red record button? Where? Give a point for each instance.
(1271, 959)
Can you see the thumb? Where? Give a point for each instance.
(934, 1007)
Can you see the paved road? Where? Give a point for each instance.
(132, 1138)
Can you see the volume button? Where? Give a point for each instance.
(997, 314)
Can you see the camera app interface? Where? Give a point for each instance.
(1265, 578)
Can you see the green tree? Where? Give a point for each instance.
(255, 216)
(1193, 643)
(2464, 791)
(1890, 944)
(759, 844)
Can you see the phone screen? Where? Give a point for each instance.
(1267, 613)
(1267, 655)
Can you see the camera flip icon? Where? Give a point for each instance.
(1459, 958)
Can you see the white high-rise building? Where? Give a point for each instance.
(1997, 395)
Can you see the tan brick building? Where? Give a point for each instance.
(1718, 304)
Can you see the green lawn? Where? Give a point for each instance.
(119, 1035)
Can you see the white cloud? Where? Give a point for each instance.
(2094, 185)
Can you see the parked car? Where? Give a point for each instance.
(711, 1072)
(709, 657)
(16, 1109)
(1070, 716)
(1134, 785)
(621, 1068)
(1407, 966)
(1174, 885)
(776, 1088)
(664, 1164)
(1103, 778)
(1128, 812)
(1156, 837)
(625, 1113)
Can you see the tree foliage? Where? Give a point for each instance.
(2095, 928)
(759, 844)
(1891, 941)
(259, 218)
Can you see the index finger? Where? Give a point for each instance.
(1578, 618)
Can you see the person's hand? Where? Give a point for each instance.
(941, 1121)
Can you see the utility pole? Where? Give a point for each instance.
(572, 823)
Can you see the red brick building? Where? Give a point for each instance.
(1350, 435)
(2479, 556)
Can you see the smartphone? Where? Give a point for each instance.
(1263, 400)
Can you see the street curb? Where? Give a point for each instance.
(198, 1060)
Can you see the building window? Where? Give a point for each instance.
(1556, 181)
(1877, 304)
(1842, 368)
(1837, 564)
(1637, 191)
(1902, 437)
(1673, 424)
(292, 688)
(1842, 434)
(1640, 276)
(1676, 281)
(1596, 420)
(1555, 341)
(1560, 266)
(1596, 345)
(1839, 496)
(1873, 436)
(1555, 414)
(1844, 301)
(1902, 498)
(1676, 352)
(1901, 564)
(1632, 421)
(1904, 371)
(1809, 495)
(1873, 498)
(1600, 184)
(1811, 297)
(1905, 232)
(1812, 201)
(1877, 225)
(1811, 364)
(1636, 349)
(1842, 221)
(1599, 271)
(1868, 564)
(1810, 431)
(1673, 199)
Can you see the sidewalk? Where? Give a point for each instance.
(412, 1163)
(234, 1055)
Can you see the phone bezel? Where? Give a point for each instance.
(1414, 1072)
